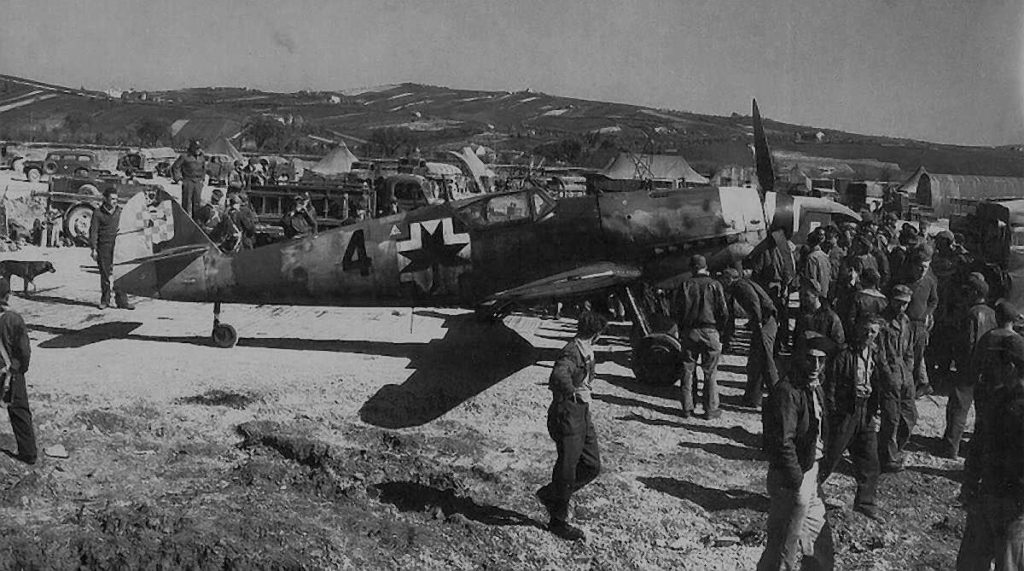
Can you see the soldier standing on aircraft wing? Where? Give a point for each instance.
(570, 425)
(761, 370)
(701, 313)
(16, 353)
(190, 169)
(102, 234)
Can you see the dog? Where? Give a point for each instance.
(27, 271)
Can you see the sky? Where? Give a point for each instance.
(939, 70)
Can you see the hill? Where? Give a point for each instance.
(396, 119)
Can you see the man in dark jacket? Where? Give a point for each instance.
(897, 398)
(795, 430)
(570, 425)
(994, 494)
(816, 267)
(868, 302)
(851, 401)
(818, 317)
(190, 169)
(102, 235)
(701, 313)
(14, 336)
(299, 221)
(773, 267)
(921, 311)
(980, 319)
(760, 310)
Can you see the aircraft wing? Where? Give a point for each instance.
(582, 280)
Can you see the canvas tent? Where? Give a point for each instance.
(629, 166)
(224, 147)
(337, 161)
(938, 190)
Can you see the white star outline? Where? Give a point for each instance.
(448, 236)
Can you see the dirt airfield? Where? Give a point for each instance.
(388, 439)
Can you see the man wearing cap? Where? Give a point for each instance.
(210, 214)
(898, 406)
(980, 319)
(993, 489)
(760, 310)
(570, 425)
(817, 268)
(795, 432)
(298, 221)
(190, 169)
(14, 394)
(949, 268)
(923, 301)
(701, 312)
(852, 380)
(899, 257)
(818, 317)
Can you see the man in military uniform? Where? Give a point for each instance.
(210, 214)
(774, 268)
(701, 313)
(190, 169)
(980, 319)
(817, 268)
(897, 402)
(102, 235)
(17, 352)
(570, 425)
(818, 317)
(298, 221)
(923, 301)
(757, 304)
(949, 267)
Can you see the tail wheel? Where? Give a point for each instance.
(33, 175)
(656, 359)
(77, 222)
(50, 167)
(224, 336)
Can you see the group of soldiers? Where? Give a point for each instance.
(884, 315)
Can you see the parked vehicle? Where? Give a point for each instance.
(145, 163)
(77, 163)
(77, 198)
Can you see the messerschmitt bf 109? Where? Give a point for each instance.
(488, 252)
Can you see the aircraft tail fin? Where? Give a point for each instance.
(153, 224)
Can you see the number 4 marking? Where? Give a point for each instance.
(355, 255)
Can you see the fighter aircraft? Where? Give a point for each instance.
(488, 252)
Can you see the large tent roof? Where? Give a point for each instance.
(628, 166)
(223, 146)
(938, 190)
(337, 161)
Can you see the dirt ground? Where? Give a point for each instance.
(389, 439)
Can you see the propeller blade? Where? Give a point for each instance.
(762, 156)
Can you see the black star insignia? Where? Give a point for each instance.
(433, 252)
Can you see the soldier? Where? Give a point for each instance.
(994, 496)
(757, 304)
(949, 268)
(102, 235)
(570, 425)
(898, 409)
(701, 313)
(980, 319)
(899, 265)
(190, 170)
(836, 254)
(818, 317)
(817, 268)
(16, 354)
(773, 268)
(210, 214)
(851, 402)
(868, 302)
(298, 221)
(795, 429)
(923, 301)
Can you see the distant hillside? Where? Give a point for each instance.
(396, 119)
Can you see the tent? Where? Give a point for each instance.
(337, 161)
(628, 166)
(224, 147)
(940, 192)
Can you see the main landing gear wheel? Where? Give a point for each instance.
(656, 359)
(224, 336)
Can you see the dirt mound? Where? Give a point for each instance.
(218, 397)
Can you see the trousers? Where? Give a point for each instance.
(761, 369)
(919, 343)
(191, 196)
(105, 261)
(899, 416)
(961, 397)
(703, 344)
(855, 431)
(21, 417)
(994, 532)
(797, 526)
(579, 459)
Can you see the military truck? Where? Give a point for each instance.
(77, 198)
(77, 163)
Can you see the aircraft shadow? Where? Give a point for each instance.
(415, 497)
(710, 499)
(468, 360)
